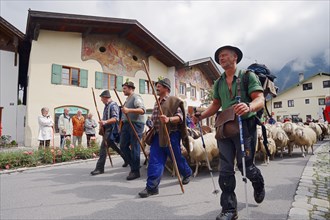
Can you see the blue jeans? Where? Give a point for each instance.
(130, 146)
(158, 157)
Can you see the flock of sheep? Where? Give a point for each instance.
(280, 137)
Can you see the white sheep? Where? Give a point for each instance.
(197, 151)
(281, 139)
(289, 129)
(305, 137)
(317, 129)
(260, 147)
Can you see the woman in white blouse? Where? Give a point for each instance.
(45, 128)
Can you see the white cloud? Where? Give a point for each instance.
(301, 64)
(271, 32)
(326, 56)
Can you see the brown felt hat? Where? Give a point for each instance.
(164, 82)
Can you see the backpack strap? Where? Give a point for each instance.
(246, 78)
(246, 88)
(257, 117)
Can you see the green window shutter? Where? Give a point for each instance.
(119, 83)
(98, 80)
(142, 86)
(83, 78)
(56, 74)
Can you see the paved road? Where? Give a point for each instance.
(69, 192)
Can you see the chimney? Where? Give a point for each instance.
(301, 77)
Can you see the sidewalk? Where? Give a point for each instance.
(313, 193)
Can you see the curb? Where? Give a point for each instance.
(311, 200)
(45, 166)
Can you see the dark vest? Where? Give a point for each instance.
(169, 108)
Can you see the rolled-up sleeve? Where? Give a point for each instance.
(179, 113)
(138, 103)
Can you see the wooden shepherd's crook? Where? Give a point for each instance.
(130, 123)
(103, 133)
(166, 130)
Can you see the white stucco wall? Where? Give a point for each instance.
(8, 93)
(299, 95)
(65, 49)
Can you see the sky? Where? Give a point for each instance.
(268, 32)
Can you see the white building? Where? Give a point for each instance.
(303, 100)
(70, 54)
(11, 114)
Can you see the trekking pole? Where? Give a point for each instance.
(238, 98)
(215, 191)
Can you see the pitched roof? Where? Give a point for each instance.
(10, 36)
(129, 29)
(207, 66)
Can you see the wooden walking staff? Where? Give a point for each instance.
(130, 123)
(166, 130)
(102, 129)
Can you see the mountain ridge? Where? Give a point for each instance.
(289, 74)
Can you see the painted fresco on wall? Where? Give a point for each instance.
(193, 76)
(116, 55)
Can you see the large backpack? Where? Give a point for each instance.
(266, 79)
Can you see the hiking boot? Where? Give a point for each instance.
(259, 195)
(97, 172)
(186, 180)
(227, 216)
(133, 175)
(146, 192)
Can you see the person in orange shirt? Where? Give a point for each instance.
(78, 122)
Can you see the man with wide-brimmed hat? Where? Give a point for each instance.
(174, 118)
(109, 123)
(134, 109)
(226, 88)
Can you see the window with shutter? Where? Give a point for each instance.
(66, 75)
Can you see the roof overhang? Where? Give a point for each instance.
(10, 37)
(207, 66)
(129, 29)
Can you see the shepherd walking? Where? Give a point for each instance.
(129, 144)
(174, 118)
(109, 124)
(225, 92)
